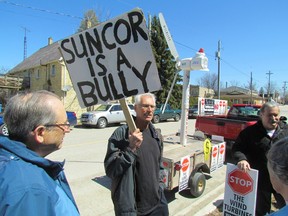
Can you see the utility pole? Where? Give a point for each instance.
(251, 89)
(284, 92)
(269, 74)
(218, 57)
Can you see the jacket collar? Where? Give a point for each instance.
(20, 150)
(281, 124)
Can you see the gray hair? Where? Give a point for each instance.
(138, 97)
(27, 110)
(278, 160)
(268, 105)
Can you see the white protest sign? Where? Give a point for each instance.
(214, 158)
(221, 154)
(111, 61)
(184, 173)
(240, 191)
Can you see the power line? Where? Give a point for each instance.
(42, 10)
(223, 60)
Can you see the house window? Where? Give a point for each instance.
(53, 70)
(37, 74)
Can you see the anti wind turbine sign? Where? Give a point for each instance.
(111, 61)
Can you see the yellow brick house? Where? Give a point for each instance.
(45, 69)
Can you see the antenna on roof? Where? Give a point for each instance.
(25, 42)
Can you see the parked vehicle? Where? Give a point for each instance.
(104, 115)
(1, 119)
(229, 126)
(168, 113)
(72, 118)
(193, 111)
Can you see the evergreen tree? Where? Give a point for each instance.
(165, 65)
(90, 20)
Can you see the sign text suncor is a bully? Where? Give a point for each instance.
(111, 61)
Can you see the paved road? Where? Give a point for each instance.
(84, 150)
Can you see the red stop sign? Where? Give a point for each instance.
(222, 148)
(240, 182)
(185, 165)
(214, 151)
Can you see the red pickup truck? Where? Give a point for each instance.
(229, 126)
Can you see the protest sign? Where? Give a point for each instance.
(240, 191)
(221, 154)
(214, 158)
(111, 61)
(184, 173)
(207, 149)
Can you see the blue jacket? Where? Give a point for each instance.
(281, 212)
(31, 185)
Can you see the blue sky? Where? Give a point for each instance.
(253, 34)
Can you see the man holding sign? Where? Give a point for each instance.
(134, 163)
(113, 61)
(250, 151)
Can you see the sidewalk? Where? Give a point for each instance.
(211, 198)
(209, 202)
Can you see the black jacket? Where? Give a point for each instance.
(119, 166)
(253, 144)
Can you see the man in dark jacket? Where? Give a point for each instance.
(31, 185)
(251, 147)
(133, 162)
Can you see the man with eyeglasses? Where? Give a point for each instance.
(31, 185)
(134, 163)
(251, 147)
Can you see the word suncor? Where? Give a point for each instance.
(91, 42)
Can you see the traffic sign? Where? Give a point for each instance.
(240, 182)
(185, 165)
(215, 151)
(222, 148)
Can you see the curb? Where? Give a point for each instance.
(211, 207)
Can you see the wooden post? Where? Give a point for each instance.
(127, 114)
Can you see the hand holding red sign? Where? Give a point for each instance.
(244, 165)
(240, 191)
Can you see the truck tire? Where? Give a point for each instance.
(102, 123)
(177, 117)
(156, 119)
(197, 184)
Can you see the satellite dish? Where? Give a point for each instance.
(66, 88)
(198, 62)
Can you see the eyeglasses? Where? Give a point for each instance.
(64, 127)
(147, 106)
